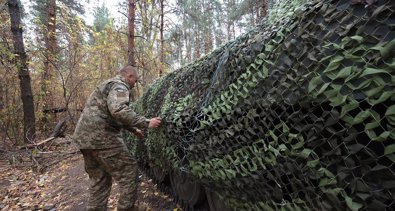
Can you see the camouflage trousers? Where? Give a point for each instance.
(102, 165)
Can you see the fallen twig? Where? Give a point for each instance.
(37, 144)
(58, 153)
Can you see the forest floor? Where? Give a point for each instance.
(59, 181)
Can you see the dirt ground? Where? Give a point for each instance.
(62, 185)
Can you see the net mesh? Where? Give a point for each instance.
(296, 114)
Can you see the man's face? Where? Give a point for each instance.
(131, 78)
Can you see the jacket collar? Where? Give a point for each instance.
(119, 77)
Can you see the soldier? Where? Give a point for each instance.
(98, 136)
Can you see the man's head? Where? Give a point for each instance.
(129, 73)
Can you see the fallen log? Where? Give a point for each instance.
(58, 131)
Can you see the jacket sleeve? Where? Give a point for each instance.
(118, 105)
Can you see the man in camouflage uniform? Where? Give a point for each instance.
(98, 135)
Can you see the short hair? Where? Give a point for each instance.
(128, 68)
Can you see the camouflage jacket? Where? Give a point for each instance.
(106, 112)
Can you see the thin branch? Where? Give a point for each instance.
(29, 146)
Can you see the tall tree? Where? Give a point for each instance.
(219, 34)
(148, 48)
(187, 37)
(230, 6)
(199, 26)
(162, 40)
(23, 71)
(209, 6)
(101, 18)
(197, 40)
(45, 11)
(262, 11)
(50, 53)
(255, 10)
(131, 18)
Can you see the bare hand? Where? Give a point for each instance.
(138, 133)
(154, 122)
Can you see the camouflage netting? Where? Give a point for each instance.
(297, 114)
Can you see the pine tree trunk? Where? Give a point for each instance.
(162, 41)
(197, 42)
(219, 36)
(50, 54)
(230, 22)
(23, 72)
(262, 10)
(208, 40)
(187, 37)
(49, 61)
(132, 9)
